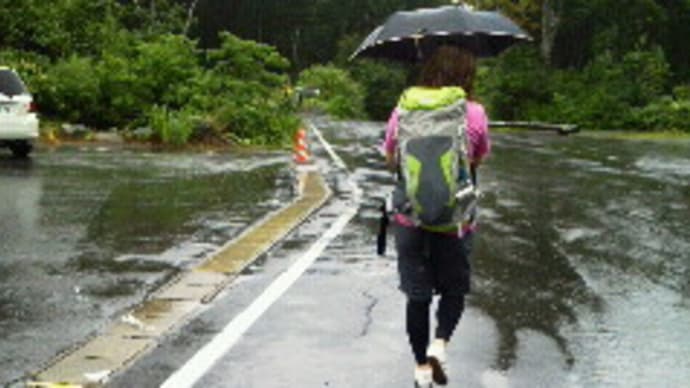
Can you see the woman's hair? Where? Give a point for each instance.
(450, 66)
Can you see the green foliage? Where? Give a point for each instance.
(61, 28)
(236, 91)
(122, 100)
(682, 92)
(108, 62)
(650, 73)
(117, 88)
(663, 114)
(511, 84)
(305, 31)
(254, 123)
(628, 93)
(249, 61)
(30, 65)
(156, 17)
(170, 66)
(246, 92)
(382, 81)
(70, 89)
(340, 96)
(172, 127)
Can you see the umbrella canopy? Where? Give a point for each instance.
(411, 36)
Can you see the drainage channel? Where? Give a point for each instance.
(91, 363)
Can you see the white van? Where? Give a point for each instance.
(18, 119)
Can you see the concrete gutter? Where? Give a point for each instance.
(90, 364)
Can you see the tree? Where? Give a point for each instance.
(307, 31)
(550, 21)
(674, 36)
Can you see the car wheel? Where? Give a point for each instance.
(21, 149)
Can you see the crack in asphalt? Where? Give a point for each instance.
(373, 301)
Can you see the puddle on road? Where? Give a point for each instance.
(556, 267)
(88, 233)
(582, 246)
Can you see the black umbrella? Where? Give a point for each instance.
(411, 36)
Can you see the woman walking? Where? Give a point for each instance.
(433, 262)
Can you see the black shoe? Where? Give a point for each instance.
(437, 372)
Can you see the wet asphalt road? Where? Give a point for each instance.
(581, 275)
(86, 233)
(581, 280)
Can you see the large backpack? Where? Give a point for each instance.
(435, 187)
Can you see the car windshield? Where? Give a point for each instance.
(10, 84)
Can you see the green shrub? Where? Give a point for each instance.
(682, 92)
(123, 102)
(165, 67)
(663, 114)
(171, 126)
(509, 84)
(159, 72)
(70, 89)
(254, 123)
(245, 91)
(339, 96)
(608, 93)
(248, 61)
(645, 76)
(31, 66)
(161, 83)
(60, 28)
(382, 83)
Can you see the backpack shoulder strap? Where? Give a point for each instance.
(424, 98)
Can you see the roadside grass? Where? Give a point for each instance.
(50, 135)
(669, 135)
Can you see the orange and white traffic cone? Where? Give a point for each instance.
(301, 155)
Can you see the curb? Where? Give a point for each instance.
(93, 362)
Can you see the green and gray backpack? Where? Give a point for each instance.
(435, 187)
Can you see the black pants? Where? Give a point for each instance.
(432, 263)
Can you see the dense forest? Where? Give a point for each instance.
(227, 69)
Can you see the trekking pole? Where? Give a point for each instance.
(383, 227)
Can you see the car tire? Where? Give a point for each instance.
(21, 149)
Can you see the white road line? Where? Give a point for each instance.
(336, 158)
(191, 372)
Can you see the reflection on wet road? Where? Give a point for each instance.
(581, 265)
(86, 233)
(583, 248)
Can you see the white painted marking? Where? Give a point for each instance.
(100, 377)
(356, 191)
(191, 372)
(336, 159)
